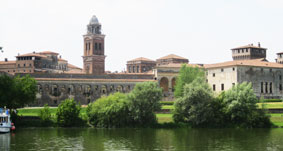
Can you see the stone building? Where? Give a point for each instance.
(90, 84)
(266, 77)
(8, 66)
(140, 65)
(84, 88)
(173, 59)
(37, 62)
(248, 52)
(279, 58)
(94, 58)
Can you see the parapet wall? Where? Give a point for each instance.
(89, 76)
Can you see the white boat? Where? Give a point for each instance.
(5, 121)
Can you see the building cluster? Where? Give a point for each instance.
(58, 80)
(38, 62)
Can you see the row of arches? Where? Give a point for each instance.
(166, 85)
(72, 89)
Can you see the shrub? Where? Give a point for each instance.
(270, 100)
(110, 111)
(144, 100)
(127, 110)
(68, 113)
(241, 109)
(167, 102)
(45, 115)
(194, 106)
(186, 76)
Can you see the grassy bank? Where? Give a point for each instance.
(276, 119)
(36, 111)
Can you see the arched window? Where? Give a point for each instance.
(164, 84)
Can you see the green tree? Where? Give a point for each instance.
(68, 113)
(241, 109)
(186, 75)
(16, 92)
(110, 111)
(45, 115)
(194, 107)
(144, 101)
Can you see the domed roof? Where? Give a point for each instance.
(93, 20)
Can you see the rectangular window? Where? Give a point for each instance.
(222, 86)
(138, 69)
(270, 87)
(261, 87)
(233, 69)
(222, 70)
(213, 74)
(280, 77)
(280, 87)
(95, 46)
(214, 87)
(99, 46)
(266, 89)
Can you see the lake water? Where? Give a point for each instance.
(143, 139)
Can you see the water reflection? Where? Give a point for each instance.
(5, 141)
(146, 139)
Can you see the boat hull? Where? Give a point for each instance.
(5, 129)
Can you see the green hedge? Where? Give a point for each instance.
(270, 100)
(167, 102)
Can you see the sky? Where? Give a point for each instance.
(204, 31)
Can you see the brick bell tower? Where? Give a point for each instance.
(94, 58)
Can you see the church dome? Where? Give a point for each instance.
(93, 20)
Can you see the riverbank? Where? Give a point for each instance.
(30, 117)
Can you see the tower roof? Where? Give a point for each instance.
(172, 56)
(93, 20)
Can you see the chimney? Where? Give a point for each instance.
(60, 56)
(6, 59)
(258, 44)
(33, 52)
(252, 44)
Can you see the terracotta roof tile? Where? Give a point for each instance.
(32, 55)
(248, 46)
(172, 56)
(254, 62)
(7, 62)
(178, 65)
(73, 66)
(48, 52)
(142, 59)
(60, 59)
(93, 80)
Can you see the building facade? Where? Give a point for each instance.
(140, 65)
(248, 52)
(94, 58)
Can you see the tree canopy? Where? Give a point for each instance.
(136, 108)
(186, 75)
(193, 107)
(16, 92)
